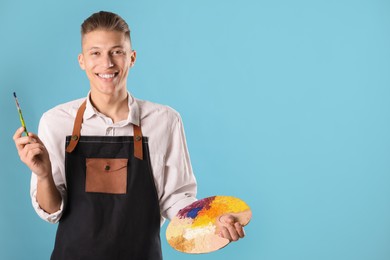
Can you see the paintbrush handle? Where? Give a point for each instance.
(22, 121)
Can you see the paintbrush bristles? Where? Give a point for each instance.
(16, 101)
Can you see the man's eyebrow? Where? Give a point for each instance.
(117, 46)
(113, 47)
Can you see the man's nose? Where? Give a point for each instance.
(108, 61)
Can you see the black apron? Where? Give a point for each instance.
(112, 210)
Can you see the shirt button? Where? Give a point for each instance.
(108, 131)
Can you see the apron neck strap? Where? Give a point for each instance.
(76, 128)
(138, 153)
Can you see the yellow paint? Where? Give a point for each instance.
(219, 206)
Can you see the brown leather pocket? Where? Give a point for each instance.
(106, 175)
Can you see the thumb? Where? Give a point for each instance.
(35, 137)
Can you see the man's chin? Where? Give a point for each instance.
(106, 89)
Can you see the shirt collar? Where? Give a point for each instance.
(133, 117)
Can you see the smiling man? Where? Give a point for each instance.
(109, 167)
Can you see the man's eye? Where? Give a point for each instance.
(117, 52)
(95, 53)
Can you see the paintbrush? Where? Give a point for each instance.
(20, 114)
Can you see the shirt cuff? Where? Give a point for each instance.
(49, 217)
(174, 209)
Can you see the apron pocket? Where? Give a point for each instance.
(106, 175)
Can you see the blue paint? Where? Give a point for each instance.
(194, 212)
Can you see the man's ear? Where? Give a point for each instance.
(81, 61)
(133, 57)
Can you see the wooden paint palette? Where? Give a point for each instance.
(195, 228)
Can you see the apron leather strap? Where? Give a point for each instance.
(76, 128)
(138, 153)
(138, 142)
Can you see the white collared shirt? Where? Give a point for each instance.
(171, 166)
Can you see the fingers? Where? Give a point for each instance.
(33, 150)
(231, 229)
(21, 141)
(34, 137)
(229, 232)
(30, 150)
(33, 153)
(225, 233)
(240, 230)
(227, 219)
(18, 133)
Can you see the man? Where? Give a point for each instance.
(110, 167)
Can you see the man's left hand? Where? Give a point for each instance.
(230, 228)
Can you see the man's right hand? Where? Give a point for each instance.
(33, 153)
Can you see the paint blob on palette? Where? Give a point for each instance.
(195, 228)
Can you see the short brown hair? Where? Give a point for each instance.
(105, 20)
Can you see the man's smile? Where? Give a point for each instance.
(107, 75)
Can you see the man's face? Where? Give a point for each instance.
(106, 58)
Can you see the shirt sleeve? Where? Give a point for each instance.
(55, 147)
(179, 180)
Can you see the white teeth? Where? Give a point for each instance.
(106, 76)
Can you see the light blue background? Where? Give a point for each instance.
(285, 105)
